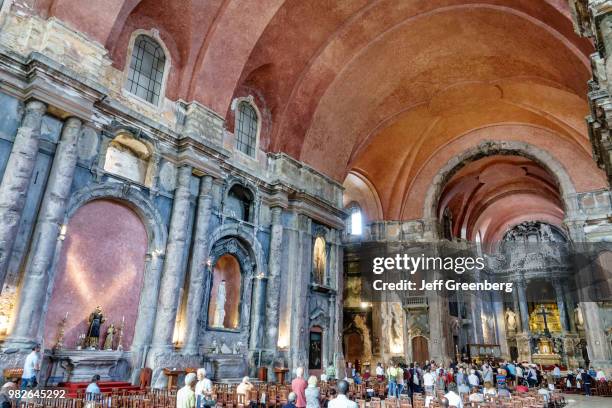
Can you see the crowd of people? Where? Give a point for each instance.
(477, 382)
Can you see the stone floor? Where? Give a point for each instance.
(580, 401)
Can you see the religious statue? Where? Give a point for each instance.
(220, 305)
(319, 261)
(361, 324)
(215, 346)
(110, 333)
(511, 321)
(96, 319)
(579, 318)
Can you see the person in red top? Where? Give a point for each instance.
(298, 385)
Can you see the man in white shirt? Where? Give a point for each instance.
(341, 401)
(429, 379)
(380, 372)
(185, 397)
(473, 379)
(556, 373)
(203, 389)
(453, 398)
(31, 368)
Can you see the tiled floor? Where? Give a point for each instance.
(580, 401)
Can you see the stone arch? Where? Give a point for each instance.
(242, 233)
(156, 230)
(246, 243)
(493, 147)
(250, 189)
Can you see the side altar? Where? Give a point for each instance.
(89, 357)
(82, 365)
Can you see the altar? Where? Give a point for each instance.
(224, 366)
(82, 365)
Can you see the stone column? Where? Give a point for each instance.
(561, 305)
(174, 271)
(598, 345)
(523, 306)
(274, 270)
(16, 180)
(27, 327)
(258, 314)
(516, 305)
(438, 312)
(197, 267)
(500, 324)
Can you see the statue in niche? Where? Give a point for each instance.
(96, 319)
(578, 317)
(319, 261)
(220, 305)
(110, 333)
(511, 321)
(360, 323)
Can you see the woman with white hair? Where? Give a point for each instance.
(245, 388)
(312, 393)
(185, 397)
(203, 390)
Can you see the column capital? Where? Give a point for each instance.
(35, 106)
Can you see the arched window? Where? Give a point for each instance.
(239, 204)
(356, 221)
(146, 74)
(247, 123)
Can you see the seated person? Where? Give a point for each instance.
(489, 389)
(503, 392)
(544, 391)
(453, 398)
(290, 400)
(244, 388)
(476, 396)
(357, 378)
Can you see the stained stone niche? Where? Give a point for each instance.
(129, 157)
(319, 261)
(223, 310)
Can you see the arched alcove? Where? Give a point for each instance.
(101, 264)
(224, 306)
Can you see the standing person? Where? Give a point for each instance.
(341, 401)
(93, 389)
(298, 385)
(203, 390)
(556, 373)
(312, 393)
(185, 397)
(392, 377)
(532, 376)
(31, 368)
(473, 380)
(429, 380)
(400, 380)
(380, 372)
(587, 380)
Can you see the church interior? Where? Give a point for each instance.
(193, 183)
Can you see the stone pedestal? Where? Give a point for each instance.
(82, 365)
(226, 366)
